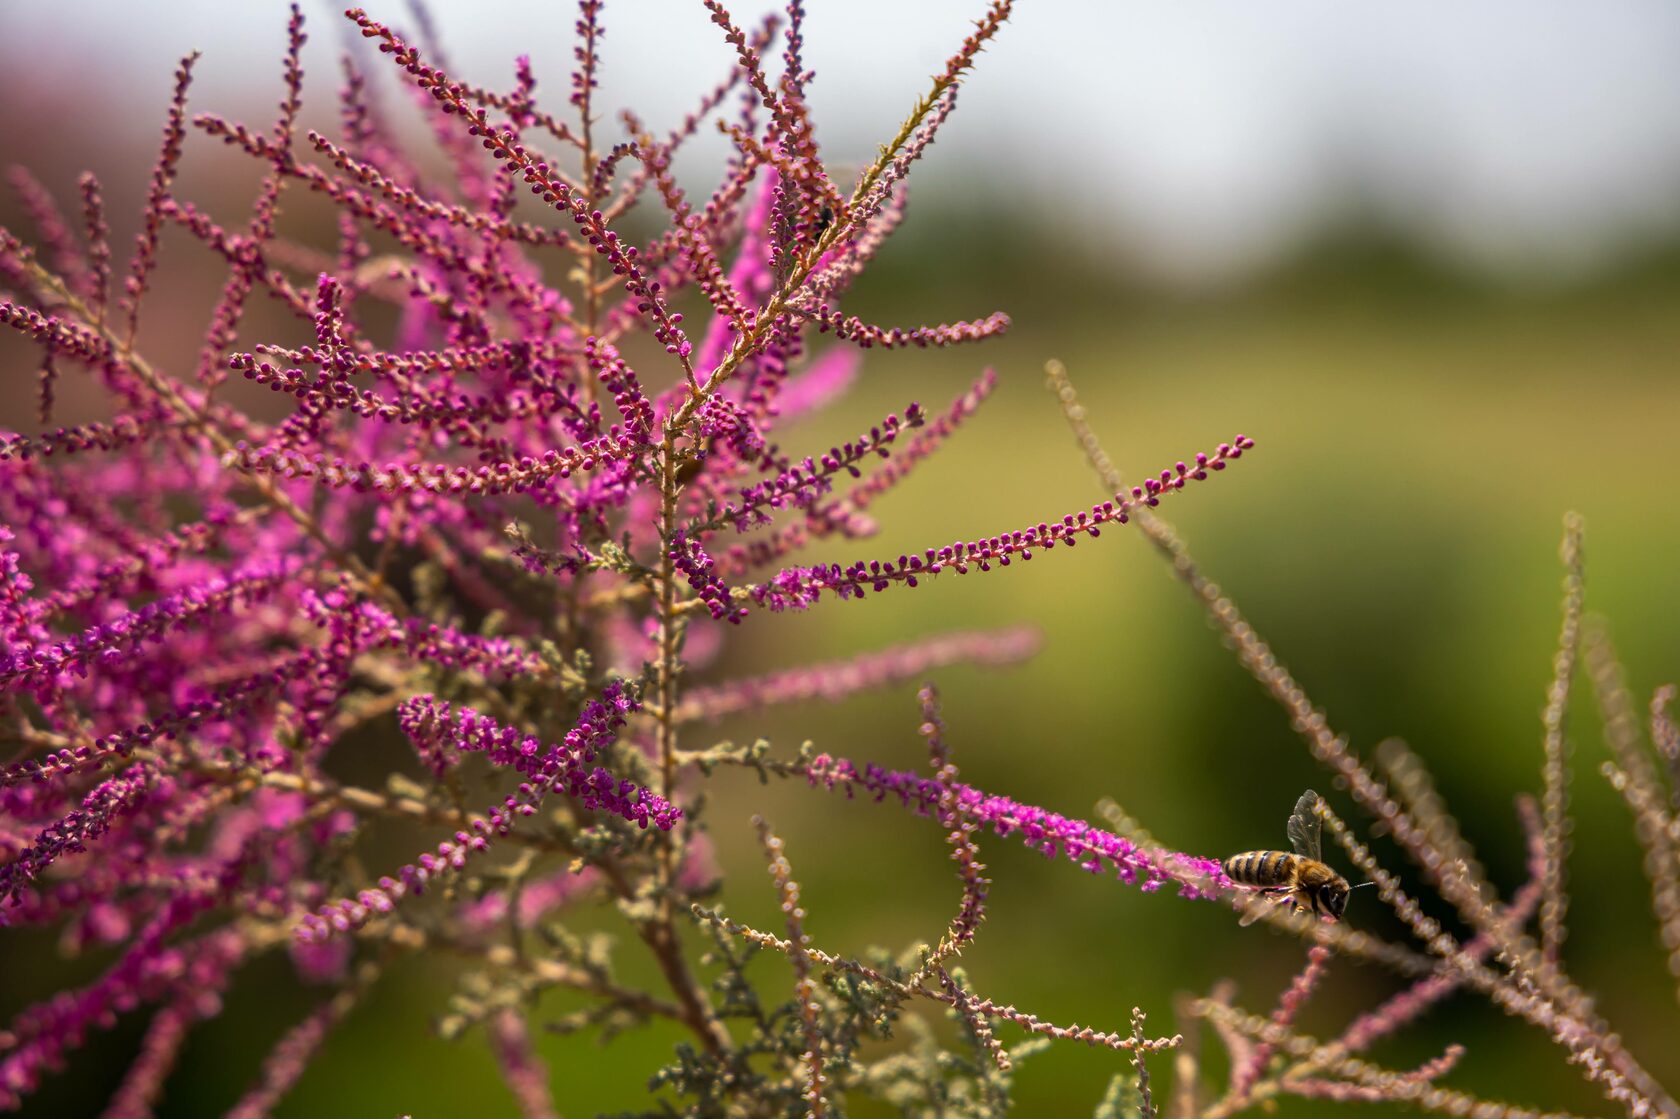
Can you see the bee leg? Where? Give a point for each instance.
(1276, 895)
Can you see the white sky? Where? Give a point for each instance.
(1204, 134)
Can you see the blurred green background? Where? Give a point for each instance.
(1423, 420)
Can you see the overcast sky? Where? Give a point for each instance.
(1206, 134)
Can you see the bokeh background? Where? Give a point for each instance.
(1429, 258)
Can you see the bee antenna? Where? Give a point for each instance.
(1356, 885)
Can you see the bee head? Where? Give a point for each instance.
(1332, 898)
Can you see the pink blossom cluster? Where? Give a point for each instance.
(514, 454)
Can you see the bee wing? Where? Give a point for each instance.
(1304, 827)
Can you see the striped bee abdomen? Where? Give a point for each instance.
(1261, 868)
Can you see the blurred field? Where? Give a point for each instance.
(1394, 535)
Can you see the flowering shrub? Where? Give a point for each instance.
(504, 517)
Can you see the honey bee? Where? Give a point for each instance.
(1301, 878)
